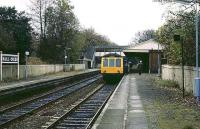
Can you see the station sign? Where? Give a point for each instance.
(9, 59)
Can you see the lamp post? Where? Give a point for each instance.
(65, 57)
(178, 38)
(197, 79)
(196, 89)
(65, 60)
(26, 70)
(197, 34)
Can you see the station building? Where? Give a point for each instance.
(149, 52)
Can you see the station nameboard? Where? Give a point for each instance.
(9, 59)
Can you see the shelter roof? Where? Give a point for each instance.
(110, 48)
(100, 54)
(145, 47)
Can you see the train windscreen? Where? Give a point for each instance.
(105, 63)
(111, 63)
(118, 62)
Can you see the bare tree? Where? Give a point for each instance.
(37, 12)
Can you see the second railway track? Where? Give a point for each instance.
(84, 114)
(21, 110)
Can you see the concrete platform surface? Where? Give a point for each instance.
(124, 110)
(22, 83)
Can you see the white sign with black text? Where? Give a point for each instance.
(8, 59)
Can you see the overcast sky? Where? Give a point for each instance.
(119, 20)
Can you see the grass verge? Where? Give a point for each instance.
(166, 108)
(165, 83)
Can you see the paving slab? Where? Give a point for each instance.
(124, 110)
(136, 118)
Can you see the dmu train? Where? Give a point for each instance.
(113, 67)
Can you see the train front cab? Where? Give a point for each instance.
(112, 68)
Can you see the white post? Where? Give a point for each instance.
(26, 68)
(1, 78)
(65, 57)
(18, 67)
(197, 79)
(197, 44)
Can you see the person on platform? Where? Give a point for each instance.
(139, 67)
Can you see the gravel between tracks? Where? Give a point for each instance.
(38, 119)
(165, 108)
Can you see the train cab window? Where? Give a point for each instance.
(118, 62)
(111, 63)
(105, 62)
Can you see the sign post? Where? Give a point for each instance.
(1, 65)
(18, 67)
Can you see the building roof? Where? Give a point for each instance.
(100, 54)
(110, 48)
(145, 47)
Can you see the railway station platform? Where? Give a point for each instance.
(30, 81)
(124, 109)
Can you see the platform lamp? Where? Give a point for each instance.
(179, 39)
(197, 79)
(65, 57)
(26, 69)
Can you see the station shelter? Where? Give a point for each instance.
(149, 52)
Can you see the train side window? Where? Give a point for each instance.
(111, 63)
(118, 62)
(105, 62)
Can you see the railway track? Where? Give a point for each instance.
(18, 111)
(83, 115)
(55, 81)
